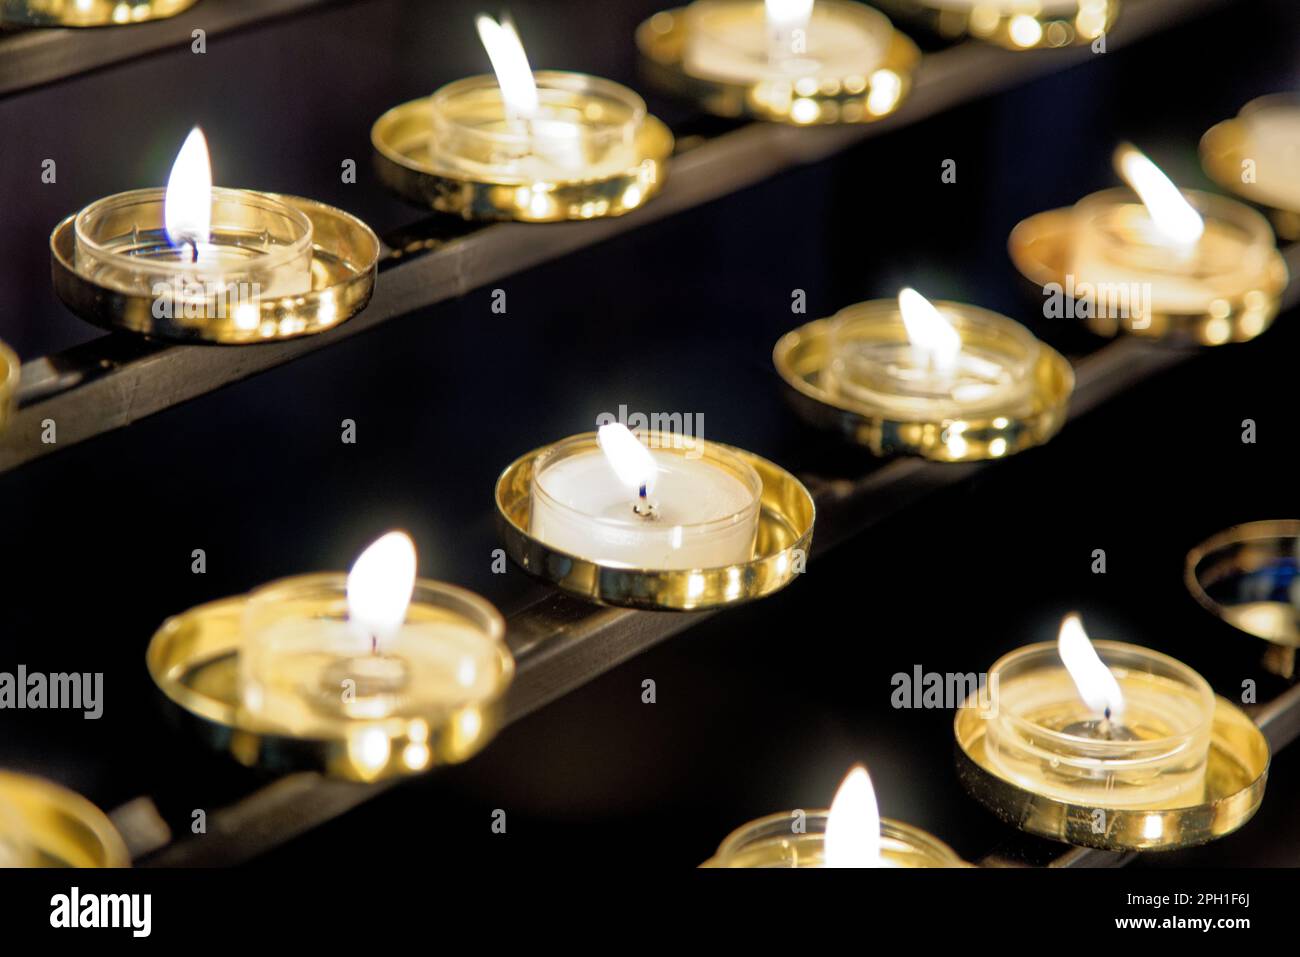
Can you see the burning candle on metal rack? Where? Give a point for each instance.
(654, 519)
(850, 834)
(949, 381)
(374, 647)
(1157, 261)
(1104, 725)
(203, 242)
(620, 501)
(749, 42)
(198, 262)
(519, 144)
(797, 61)
(931, 371)
(367, 675)
(1257, 156)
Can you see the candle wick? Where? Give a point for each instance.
(194, 250)
(374, 644)
(642, 492)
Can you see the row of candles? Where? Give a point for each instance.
(397, 674)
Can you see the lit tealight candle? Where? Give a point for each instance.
(934, 369)
(518, 144)
(792, 61)
(850, 834)
(1104, 725)
(378, 649)
(620, 503)
(543, 141)
(744, 41)
(1174, 252)
(194, 244)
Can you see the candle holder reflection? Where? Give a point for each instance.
(684, 524)
(45, 825)
(196, 263)
(850, 834)
(789, 61)
(950, 381)
(537, 147)
(1155, 261)
(1109, 745)
(1257, 156)
(1015, 24)
(1249, 577)
(367, 676)
(88, 13)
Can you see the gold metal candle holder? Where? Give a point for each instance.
(715, 53)
(1183, 768)
(594, 150)
(772, 842)
(784, 535)
(243, 674)
(828, 365)
(45, 825)
(1257, 156)
(1238, 303)
(10, 373)
(1018, 24)
(88, 13)
(296, 267)
(1249, 577)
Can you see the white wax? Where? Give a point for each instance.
(1272, 141)
(707, 518)
(731, 41)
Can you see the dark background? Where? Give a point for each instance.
(759, 709)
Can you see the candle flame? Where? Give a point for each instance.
(510, 64)
(788, 14)
(1094, 681)
(928, 331)
(187, 204)
(630, 460)
(1170, 211)
(380, 586)
(853, 825)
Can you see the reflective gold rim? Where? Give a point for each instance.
(422, 184)
(1236, 772)
(89, 13)
(344, 266)
(802, 355)
(11, 368)
(1280, 656)
(211, 635)
(1221, 158)
(995, 26)
(785, 527)
(662, 38)
(1040, 249)
(63, 824)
